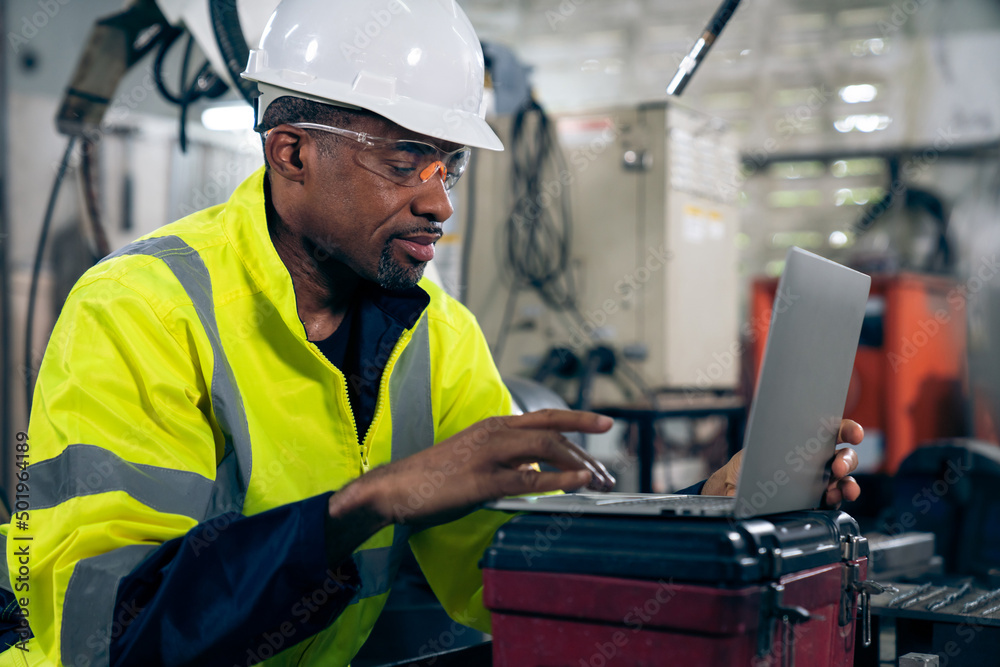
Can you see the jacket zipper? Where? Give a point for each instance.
(346, 404)
(383, 389)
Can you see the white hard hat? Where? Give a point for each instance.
(416, 62)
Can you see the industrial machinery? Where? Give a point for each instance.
(222, 31)
(221, 28)
(947, 491)
(655, 276)
(910, 372)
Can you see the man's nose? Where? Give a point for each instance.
(431, 200)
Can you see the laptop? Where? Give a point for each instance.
(795, 415)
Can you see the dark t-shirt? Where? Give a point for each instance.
(341, 350)
(364, 341)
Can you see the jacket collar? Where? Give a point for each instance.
(245, 224)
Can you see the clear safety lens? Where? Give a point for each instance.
(411, 163)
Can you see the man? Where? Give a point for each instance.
(208, 388)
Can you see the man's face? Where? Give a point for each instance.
(383, 231)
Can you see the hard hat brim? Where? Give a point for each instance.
(456, 126)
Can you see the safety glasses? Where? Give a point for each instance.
(404, 162)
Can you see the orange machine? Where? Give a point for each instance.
(910, 372)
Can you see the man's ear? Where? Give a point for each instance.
(284, 147)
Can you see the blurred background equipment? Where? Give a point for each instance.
(117, 43)
(653, 188)
(700, 49)
(946, 493)
(910, 373)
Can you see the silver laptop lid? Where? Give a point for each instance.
(799, 399)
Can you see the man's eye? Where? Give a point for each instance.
(402, 166)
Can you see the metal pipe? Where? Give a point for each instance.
(701, 47)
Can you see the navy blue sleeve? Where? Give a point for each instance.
(693, 490)
(233, 590)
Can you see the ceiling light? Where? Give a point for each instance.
(862, 92)
(229, 118)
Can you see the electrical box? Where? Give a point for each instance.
(653, 194)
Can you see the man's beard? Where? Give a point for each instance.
(394, 276)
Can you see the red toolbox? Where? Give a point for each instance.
(586, 591)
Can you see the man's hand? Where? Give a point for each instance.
(842, 486)
(491, 459)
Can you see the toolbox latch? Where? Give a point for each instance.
(853, 584)
(775, 612)
(853, 547)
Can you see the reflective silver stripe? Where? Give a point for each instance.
(378, 567)
(412, 431)
(410, 396)
(84, 470)
(89, 605)
(227, 492)
(373, 566)
(233, 476)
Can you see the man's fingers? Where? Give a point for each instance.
(850, 432)
(603, 479)
(850, 489)
(844, 463)
(560, 420)
(841, 490)
(519, 482)
(552, 448)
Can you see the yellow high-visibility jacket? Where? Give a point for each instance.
(179, 392)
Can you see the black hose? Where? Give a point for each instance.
(170, 36)
(232, 45)
(88, 172)
(29, 328)
(186, 89)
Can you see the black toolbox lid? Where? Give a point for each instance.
(720, 550)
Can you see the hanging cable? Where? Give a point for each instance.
(170, 37)
(36, 271)
(538, 232)
(205, 83)
(89, 167)
(232, 44)
(537, 237)
(186, 91)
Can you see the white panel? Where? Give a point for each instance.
(653, 248)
